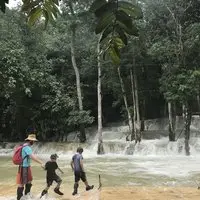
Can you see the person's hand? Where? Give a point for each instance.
(42, 165)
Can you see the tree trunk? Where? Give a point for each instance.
(172, 121)
(198, 103)
(130, 122)
(134, 108)
(187, 123)
(100, 149)
(82, 137)
(183, 110)
(138, 123)
(142, 115)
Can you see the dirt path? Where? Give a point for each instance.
(150, 193)
(120, 193)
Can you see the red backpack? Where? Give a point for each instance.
(17, 156)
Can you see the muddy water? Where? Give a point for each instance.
(115, 170)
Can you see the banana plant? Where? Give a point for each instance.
(115, 21)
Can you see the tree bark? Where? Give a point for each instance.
(134, 108)
(137, 106)
(130, 122)
(82, 137)
(187, 123)
(143, 115)
(172, 121)
(100, 149)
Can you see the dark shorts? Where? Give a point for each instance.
(80, 175)
(24, 175)
(55, 178)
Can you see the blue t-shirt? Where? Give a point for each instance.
(26, 151)
(76, 159)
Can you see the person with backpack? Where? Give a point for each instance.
(51, 175)
(24, 174)
(79, 172)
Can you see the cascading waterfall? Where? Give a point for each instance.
(155, 141)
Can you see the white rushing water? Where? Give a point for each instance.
(153, 162)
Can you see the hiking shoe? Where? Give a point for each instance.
(89, 187)
(74, 193)
(57, 191)
(43, 193)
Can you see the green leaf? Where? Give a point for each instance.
(29, 5)
(106, 8)
(129, 30)
(56, 2)
(55, 9)
(133, 11)
(34, 15)
(97, 4)
(122, 35)
(46, 15)
(124, 18)
(106, 32)
(118, 41)
(115, 46)
(105, 21)
(114, 55)
(51, 9)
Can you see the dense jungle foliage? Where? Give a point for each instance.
(38, 81)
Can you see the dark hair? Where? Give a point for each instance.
(80, 150)
(54, 156)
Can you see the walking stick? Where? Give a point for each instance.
(100, 184)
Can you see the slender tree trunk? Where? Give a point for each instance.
(134, 108)
(187, 123)
(100, 149)
(142, 115)
(198, 102)
(138, 123)
(183, 110)
(78, 84)
(130, 122)
(172, 121)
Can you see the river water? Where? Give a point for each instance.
(115, 170)
(154, 162)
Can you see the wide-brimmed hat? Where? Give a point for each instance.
(31, 137)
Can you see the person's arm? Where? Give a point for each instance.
(81, 163)
(34, 157)
(60, 170)
(72, 165)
